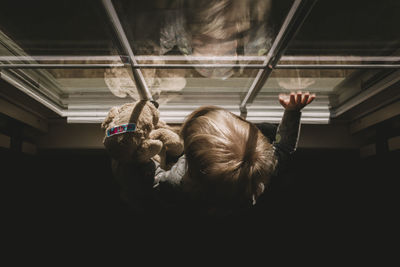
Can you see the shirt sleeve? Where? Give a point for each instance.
(287, 136)
(173, 176)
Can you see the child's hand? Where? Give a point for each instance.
(296, 101)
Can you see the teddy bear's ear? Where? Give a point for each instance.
(110, 116)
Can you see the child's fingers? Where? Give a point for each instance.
(292, 99)
(305, 99)
(310, 99)
(298, 97)
(282, 100)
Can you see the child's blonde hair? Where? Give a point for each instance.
(229, 159)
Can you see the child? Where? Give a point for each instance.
(227, 161)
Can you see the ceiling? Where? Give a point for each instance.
(80, 58)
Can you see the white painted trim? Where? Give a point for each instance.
(364, 95)
(35, 95)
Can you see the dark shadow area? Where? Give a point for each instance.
(324, 197)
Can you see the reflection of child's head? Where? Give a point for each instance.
(227, 28)
(229, 160)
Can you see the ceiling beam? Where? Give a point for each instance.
(385, 113)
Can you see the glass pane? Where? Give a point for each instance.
(333, 87)
(89, 93)
(336, 61)
(181, 91)
(202, 31)
(341, 27)
(313, 80)
(166, 85)
(64, 27)
(184, 84)
(115, 82)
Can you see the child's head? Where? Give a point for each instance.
(229, 160)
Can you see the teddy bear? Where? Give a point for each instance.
(134, 136)
(135, 133)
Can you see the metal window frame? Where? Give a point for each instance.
(205, 66)
(293, 22)
(338, 66)
(141, 85)
(61, 66)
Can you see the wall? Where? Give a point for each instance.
(69, 136)
(72, 136)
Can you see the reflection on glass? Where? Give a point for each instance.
(120, 82)
(208, 29)
(94, 81)
(165, 85)
(313, 80)
(339, 85)
(296, 83)
(188, 86)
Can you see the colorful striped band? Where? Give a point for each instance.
(124, 128)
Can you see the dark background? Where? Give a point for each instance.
(324, 193)
(328, 203)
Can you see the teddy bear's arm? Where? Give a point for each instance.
(149, 149)
(170, 139)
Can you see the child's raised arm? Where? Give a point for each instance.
(288, 131)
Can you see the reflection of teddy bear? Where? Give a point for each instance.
(134, 134)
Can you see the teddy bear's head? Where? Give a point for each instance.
(127, 129)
